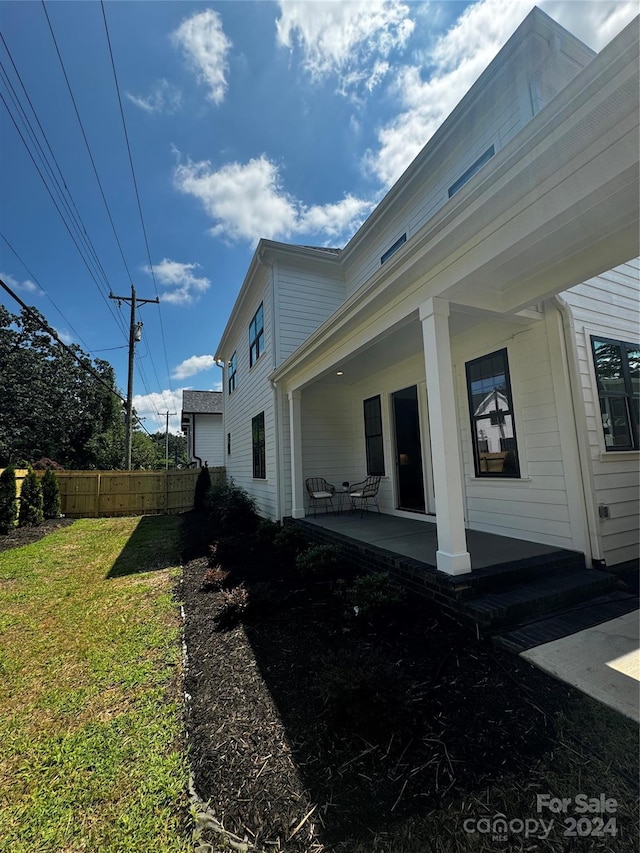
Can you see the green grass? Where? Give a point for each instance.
(91, 752)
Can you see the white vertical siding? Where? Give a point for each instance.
(609, 306)
(253, 395)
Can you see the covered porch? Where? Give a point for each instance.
(538, 590)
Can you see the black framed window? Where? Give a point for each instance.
(256, 336)
(393, 249)
(258, 444)
(617, 367)
(471, 171)
(373, 435)
(231, 381)
(493, 430)
(228, 444)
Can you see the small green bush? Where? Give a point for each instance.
(8, 499)
(319, 562)
(50, 495)
(288, 543)
(232, 511)
(203, 487)
(373, 595)
(30, 501)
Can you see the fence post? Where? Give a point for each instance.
(97, 515)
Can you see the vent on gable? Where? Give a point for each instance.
(399, 242)
(471, 171)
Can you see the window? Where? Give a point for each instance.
(257, 440)
(390, 251)
(618, 373)
(231, 382)
(471, 171)
(256, 336)
(373, 435)
(228, 444)
(493, 429)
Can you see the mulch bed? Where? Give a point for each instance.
(20, 536)
(308, 728)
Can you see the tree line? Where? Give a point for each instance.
(55, 412)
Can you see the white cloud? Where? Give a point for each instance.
(25, 286)
(206, 46)
(186, 286)
(351, 40)
(458, 58)
(165, 98)
(194, 364)
(246, 201)
(152, 408)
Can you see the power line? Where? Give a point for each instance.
(35, 280)
(135, 184)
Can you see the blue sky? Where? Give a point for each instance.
(284, 120)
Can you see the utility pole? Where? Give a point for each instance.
(135, 333)
(166, 441)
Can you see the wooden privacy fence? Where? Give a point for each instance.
(92, 494)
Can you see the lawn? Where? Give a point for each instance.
(91, 743)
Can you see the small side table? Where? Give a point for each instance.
(341, 493)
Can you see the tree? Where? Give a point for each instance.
(50, 495)
(52, 406)
(177, 449)
(203, 487)
(30, 501)
(8, 499)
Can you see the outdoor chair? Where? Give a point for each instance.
(363, 493)
(319, 491)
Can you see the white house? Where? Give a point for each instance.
(201, 422)
(476, 341)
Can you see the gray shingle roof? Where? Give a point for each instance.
(202, 402)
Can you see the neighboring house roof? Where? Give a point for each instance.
(202, 402)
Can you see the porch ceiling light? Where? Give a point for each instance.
(339, 372)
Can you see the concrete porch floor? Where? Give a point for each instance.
(418, 539)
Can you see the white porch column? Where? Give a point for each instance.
(295, 437)
(452, 555)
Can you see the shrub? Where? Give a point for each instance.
(44, 463)
(374, 595)
(203, 487)
(50, 495)
(234, 603)
(267, 531)
(288, 543)
(319, 561)
(232, 511)
(214, 579)
(30, 501)
(8, 499)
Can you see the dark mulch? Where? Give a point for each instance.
(26, 535)
(310, 730)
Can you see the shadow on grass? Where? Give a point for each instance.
(154, 545)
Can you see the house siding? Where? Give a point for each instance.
(494, 117)
(253, 394)
(209, 442)
(536, 506)
(609, 306)
(305, 298)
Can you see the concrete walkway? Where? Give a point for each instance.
(603, 662)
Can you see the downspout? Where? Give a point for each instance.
(580, 425)
(193, 438)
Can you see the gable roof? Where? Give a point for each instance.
(202, 402)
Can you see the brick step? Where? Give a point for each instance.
(576, 618)
(505, 576)
(546, 594)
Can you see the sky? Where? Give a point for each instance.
(153, 143)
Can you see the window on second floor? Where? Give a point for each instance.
(618, 373)
(472, 170)
(373, 435)
(393, 249)
(256, 336)
(231, 380)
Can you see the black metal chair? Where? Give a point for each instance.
(365, 492)
(319, 491)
